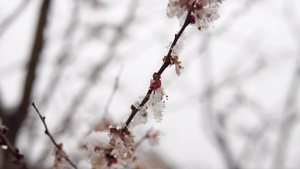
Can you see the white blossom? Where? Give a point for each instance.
(122, 144)
(203, 11)
(96, 144)
(142, 115)
(156, 103)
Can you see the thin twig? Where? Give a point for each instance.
(99, 69)
(115, 88)
(138, 143)
(13, 150)
(156, 76)
(14, 16)
(47, 132)
(290, 111)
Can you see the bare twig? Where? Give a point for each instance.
(209, 109)
(115, 88)
(61, 64)
(47, 132)
(14, 151)
(98, 70)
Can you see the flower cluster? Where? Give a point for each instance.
(155, 105)
(112, 148)
(203, 11)
(122, 144)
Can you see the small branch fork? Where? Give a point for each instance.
(47, 132)
(157, 75)
(14, 151)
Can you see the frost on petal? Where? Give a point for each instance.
(157, 110)
(142, 115)
(156, 104)
(121, 143)
(140, 118)
(179, 46)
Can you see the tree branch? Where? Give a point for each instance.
(4, 141)
(47, 132)
(14, 119)
(156, 76)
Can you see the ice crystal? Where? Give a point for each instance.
(156, 104)
(142, 115)
(179, 46)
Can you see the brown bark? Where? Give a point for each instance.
(13, 119)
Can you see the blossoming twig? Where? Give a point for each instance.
(47, 132)
(14, 151)
(157, 75)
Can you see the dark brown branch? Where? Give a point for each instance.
(14, 119)
(166, 63)
(61, 64)
(47, 132)
(4, 141)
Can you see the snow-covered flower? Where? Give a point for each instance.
(122, 144)
(142, 115)
(156, 103)
(111, 149)
(96, 146)
(203, 11)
